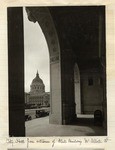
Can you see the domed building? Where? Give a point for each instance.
(37, 95)
(37, 86)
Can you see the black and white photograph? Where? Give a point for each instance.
(57, 71)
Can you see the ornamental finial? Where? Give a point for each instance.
(37, 74)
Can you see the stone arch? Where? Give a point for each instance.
(77, 89)
(44, 19)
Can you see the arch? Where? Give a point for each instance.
(77, 89)
(44, 19)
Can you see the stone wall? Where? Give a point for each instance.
(91, 91)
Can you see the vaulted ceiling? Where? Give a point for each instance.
(79, 28)
(79, 25)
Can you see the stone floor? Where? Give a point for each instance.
(83, 126)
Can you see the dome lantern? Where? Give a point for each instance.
(37, 75)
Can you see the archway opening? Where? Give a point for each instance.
(37, 83)
(82, 118)
(77, 89)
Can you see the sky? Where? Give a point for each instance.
(36, 55)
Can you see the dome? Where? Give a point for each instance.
(37, 79)
(37, 86)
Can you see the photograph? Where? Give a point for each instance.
(57, 71)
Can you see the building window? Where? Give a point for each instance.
(90, 81)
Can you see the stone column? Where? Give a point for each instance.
(62, 88)
(16, 72)
(67, 84)
(55, 91)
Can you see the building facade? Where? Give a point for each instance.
(37, 95)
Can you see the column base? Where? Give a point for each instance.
(69, 115)
(54, 119)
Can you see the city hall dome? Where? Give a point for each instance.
(37, 79)
(37, 86)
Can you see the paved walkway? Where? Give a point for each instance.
(83, 127)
